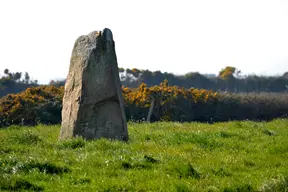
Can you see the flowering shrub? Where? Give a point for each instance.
(171, 103)
(41, 104)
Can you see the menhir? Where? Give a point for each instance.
(93, 102)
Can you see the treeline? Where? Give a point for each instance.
(15, 82)
(228, 80)
(157, 103)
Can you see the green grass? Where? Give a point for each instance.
(233, 156)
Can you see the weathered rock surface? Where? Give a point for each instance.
(93, 103)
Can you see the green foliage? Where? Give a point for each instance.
(179, 104)
(43, 104)
(229, 80)
(14, 83)
(39, 104)
(79, 142)
(240, 188)
(239, 157)
(27, 137)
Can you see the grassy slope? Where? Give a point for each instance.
(230, 156)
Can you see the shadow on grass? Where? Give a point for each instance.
(143, 164)
(221, 172)
(48, 168)
(186, 171)
(18, 185)
(138, 165)
(81, 181)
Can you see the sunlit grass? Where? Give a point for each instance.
(233, 156)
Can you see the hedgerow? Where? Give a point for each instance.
(38, 104)
(43, 104)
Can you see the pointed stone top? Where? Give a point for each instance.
(107, 34)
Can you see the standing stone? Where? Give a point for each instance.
(93, 103)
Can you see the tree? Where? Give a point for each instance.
(6, 71)
(26, 78)
(227, 73)
(16, 76)
(13, 76)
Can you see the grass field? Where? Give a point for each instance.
(232, 156)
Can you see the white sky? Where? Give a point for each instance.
(173, 36)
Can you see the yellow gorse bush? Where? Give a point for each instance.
(24, 105)
(171, 103)
(166, 94)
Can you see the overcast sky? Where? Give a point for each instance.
(171, 36)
